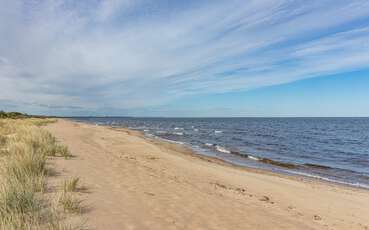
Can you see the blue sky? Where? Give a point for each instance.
(185, 58)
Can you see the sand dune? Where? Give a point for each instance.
(137, 183)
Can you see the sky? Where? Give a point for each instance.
(185, 58)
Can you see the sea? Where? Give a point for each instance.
(331, 149)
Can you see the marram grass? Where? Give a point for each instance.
(71, 185)
(24, 149)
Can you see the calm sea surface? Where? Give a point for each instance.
(335, 149)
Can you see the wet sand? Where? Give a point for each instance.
(137, 183)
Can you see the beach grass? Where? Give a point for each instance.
(70, 203)
(71, 185)
(25, 148)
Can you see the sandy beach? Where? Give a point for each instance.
(136, 183)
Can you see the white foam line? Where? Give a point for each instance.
(178, 133)
(360, 185)
(253, 158)
(167, 140)
(221, 149)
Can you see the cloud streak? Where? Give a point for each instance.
(124, 54)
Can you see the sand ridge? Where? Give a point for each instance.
(136, 183)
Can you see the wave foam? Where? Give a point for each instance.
(161, 132)
(354, 184)
(253, 158)
(221, 149)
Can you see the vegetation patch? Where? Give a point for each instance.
(25, 148)
(70, 203)
(13, 115)
(71, 185)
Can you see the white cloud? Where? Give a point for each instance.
(110, 8)
(123, 54)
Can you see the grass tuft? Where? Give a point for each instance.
(70, 203)
(63, 151)
(71, 185)
(2, 140)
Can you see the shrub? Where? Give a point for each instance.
(12, 115)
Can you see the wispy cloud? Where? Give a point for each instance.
(124, 54)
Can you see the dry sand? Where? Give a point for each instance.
(137, 183)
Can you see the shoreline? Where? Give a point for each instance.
(136, 182)
(186, 148)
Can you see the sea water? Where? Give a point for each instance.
(334, 149)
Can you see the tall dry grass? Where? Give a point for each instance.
(24, 150)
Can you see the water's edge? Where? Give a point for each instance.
(218, 152)
(286, 171)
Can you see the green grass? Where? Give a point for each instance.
(13, 115)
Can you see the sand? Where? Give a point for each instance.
(137, 183)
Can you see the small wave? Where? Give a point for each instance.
(178, 128)
(146, 130)
(171, 141)
(317, 166)
(266, 135)
(218, 131)
(253, 158)
(165, 139)
(278, 163)
(178, 133)
(222, 150)
(354, 184)
(136, 128)
(161, 132)
(196, 130)
(209, 145)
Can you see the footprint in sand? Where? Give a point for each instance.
(266, 199)
(153, 158)
(317, 217)
(149, 193)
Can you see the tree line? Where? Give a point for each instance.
(13, 115)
